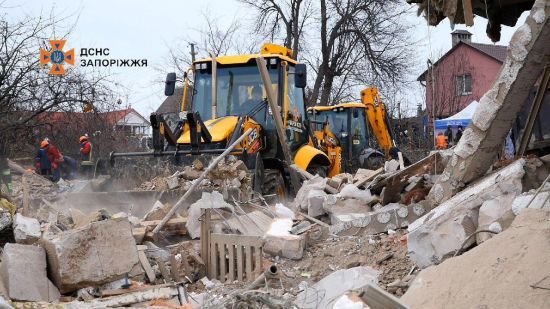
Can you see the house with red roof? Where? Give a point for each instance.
(126, 121)
(461, 75)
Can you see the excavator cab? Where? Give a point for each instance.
(228, 97)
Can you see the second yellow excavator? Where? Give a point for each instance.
(351, 133)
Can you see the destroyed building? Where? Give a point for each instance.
(460, 227)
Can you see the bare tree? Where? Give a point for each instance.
(213, 37)
(286, 18)
(27, 91)
(351, 42)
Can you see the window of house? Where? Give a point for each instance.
(464, 84)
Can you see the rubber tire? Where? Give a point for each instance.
(374, 162)
(274, 183)
(320, 170)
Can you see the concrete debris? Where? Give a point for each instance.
(315, 201)
(499, 107)
(315, 183)
(98, 253)
(23, 272)
(509, 270)
(443, 230)
(522, 201)
(284, 212)
(278, 240)
(351, 191)
(495, 215)
(207, 201)
(26, 230)
(157, 212)
(326, 292)
(391, 166)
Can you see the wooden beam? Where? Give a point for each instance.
(534, 112)
(277, 120)
(468, 13)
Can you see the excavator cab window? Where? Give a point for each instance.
(239, 90)
(358, 132)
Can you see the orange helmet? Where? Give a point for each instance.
(83, 138)
(44, 144)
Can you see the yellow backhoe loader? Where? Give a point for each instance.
(230, 95)
(351, 133)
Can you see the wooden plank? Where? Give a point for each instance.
(171, 222)
(240, 262)
(401, 162)
(213, 260)
(174, 269)
(248, 261)
(149, 272)
(534, 111)
(223, 273)
(376, 298)
(468, 12)
(258, 261)
(363, 181)
(231, 259)
(277, 120)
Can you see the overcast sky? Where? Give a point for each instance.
(143, 29)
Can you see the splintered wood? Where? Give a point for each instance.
(235, 257)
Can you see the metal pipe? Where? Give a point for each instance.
(271, 272)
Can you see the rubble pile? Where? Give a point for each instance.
(231, 177)
(374, 230)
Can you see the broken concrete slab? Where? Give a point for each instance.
(443, 230)
(157, 212)
(24, 276)
(172, 182)
(287, 246)
(526, 58)
(389, 217)
(503, 272)
(522, 201)
(278, 240)
(324, 293)
(98, 253)
(495, 215)
(315, 183)
(315, 202)
(26, 230)
(207, 201)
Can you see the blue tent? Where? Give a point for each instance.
(461, 118)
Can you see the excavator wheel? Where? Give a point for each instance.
(374, 162)
(274, 183)
(318, 170)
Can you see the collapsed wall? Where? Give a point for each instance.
(526, 58)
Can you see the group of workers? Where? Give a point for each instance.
(443, 141)
(50, 162)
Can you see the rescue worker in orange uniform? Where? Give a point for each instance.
(440, 141)
(85, 149)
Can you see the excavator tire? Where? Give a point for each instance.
(374, 162)
(274, 183)
(318, 170)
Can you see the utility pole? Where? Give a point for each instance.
(193, 53)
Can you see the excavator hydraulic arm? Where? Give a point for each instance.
(377, 118)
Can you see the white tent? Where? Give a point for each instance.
(461, 118)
